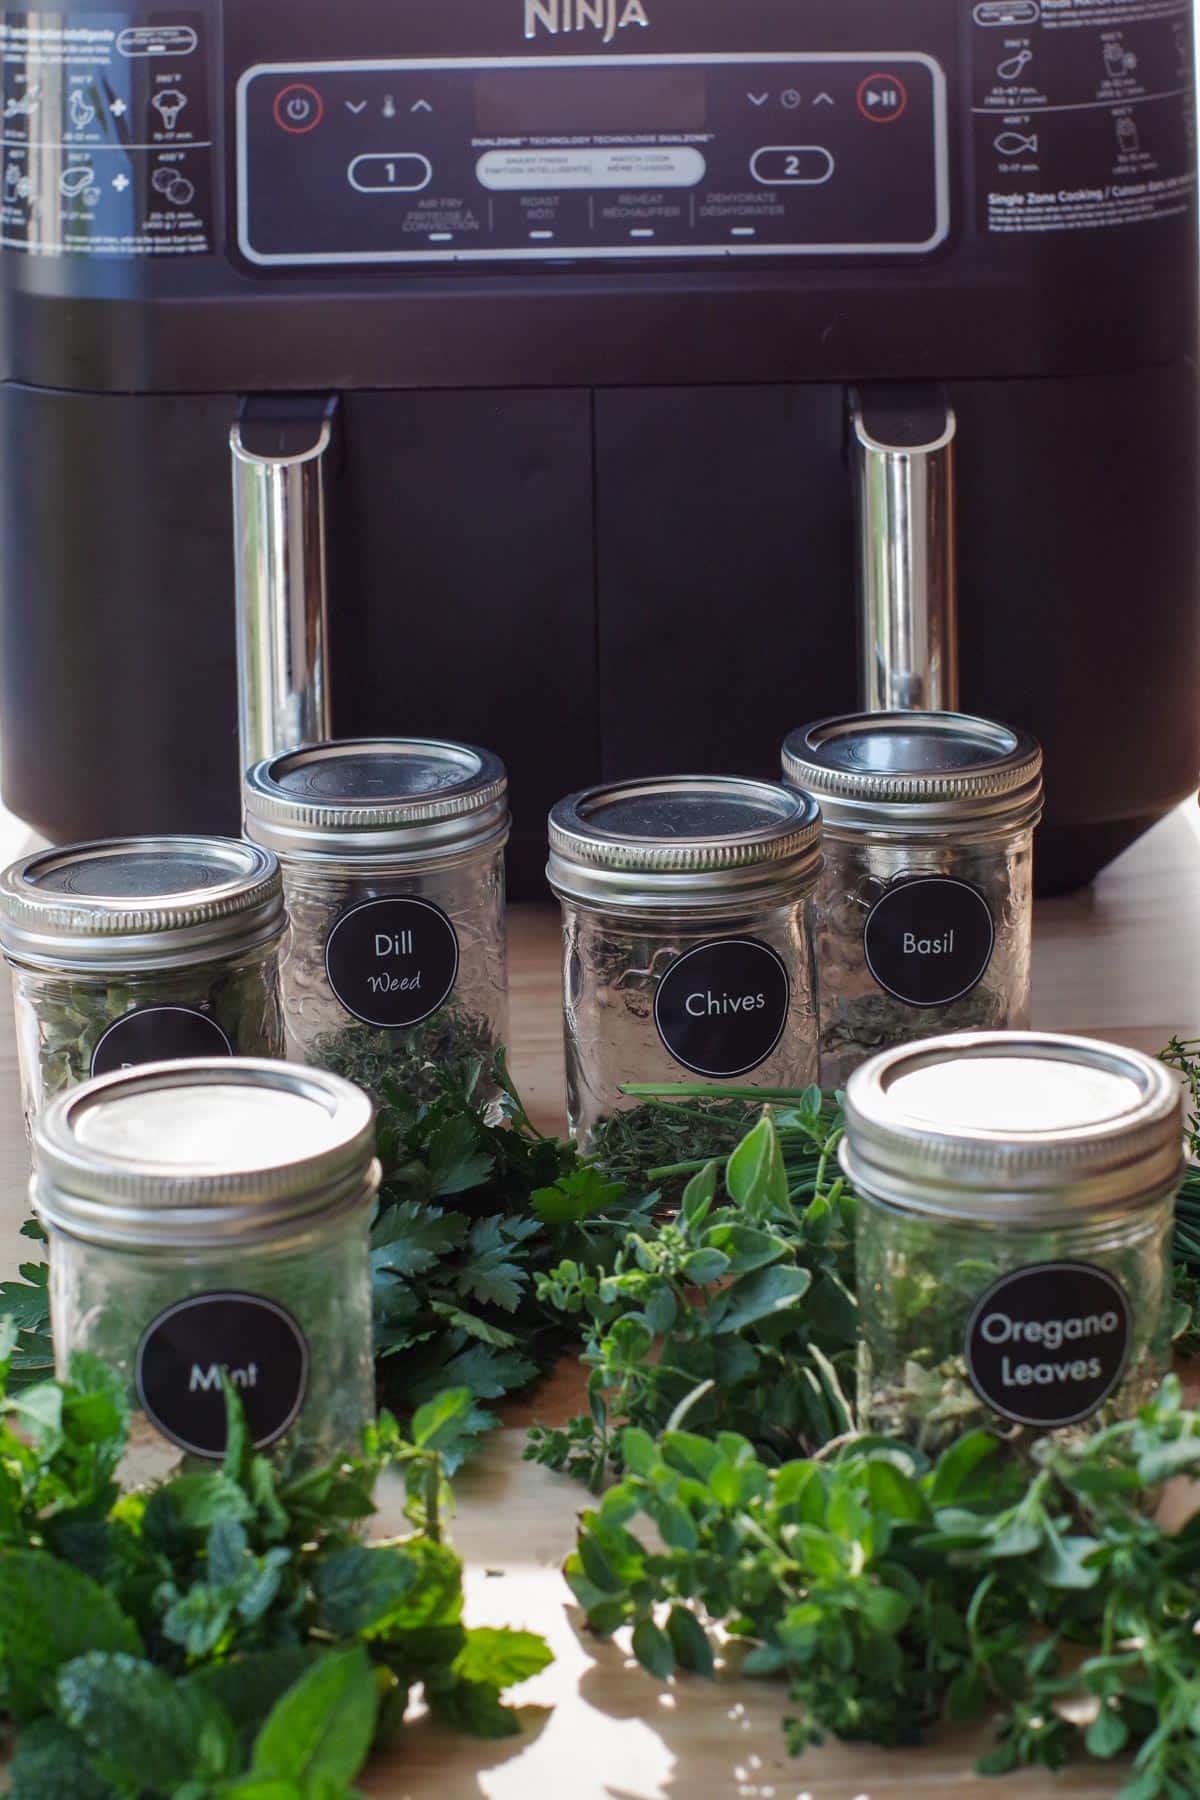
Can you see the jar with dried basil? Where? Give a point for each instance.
(393, 866)
(925, 906)
(687, 938)
(139, 950)
(210, 1220)
(1014, 1234)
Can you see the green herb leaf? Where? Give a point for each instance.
(321, 1730)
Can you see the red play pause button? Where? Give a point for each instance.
(882, 99)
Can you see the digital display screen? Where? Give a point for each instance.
(581, 102)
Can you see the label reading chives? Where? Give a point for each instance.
(721, 1008)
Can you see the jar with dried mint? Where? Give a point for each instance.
(687, 939)
(925, 907)
(207, 1220)
(1014, 1234)
(393, 867)
(139, 950)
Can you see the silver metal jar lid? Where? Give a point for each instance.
(1014, 1128)
(917, 771)
(684, 841)
(212, 1154)
(124, 904)
(383, 798)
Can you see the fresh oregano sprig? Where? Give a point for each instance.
(742, 1306)
(892, 1593)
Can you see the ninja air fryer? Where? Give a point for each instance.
(612, 382)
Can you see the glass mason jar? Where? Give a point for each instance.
(393, 868)
(925, 907)
(213, 1216)
(687, 938)
(1014, 1234)
(140, 950)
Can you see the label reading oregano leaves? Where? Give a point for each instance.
(392, 963)
(721, 1008)
(184, 1352)
(930, 941)
(1048, 1344)
(158, 1034)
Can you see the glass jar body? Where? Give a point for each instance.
(924, 1283)
(918, 938)
(107, 1301)
(71, 1024)
(624, 1024)
(436, 929)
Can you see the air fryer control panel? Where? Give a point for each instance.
(592, 158)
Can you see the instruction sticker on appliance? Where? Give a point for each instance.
(107, 146)
(1085, 113)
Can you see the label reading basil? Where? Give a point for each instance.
(930, 941)
(721, 1009)
(158, 1034)
(1047, 1345)
(392, 962)
(184, 1352)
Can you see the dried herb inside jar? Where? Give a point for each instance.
(415, 1061)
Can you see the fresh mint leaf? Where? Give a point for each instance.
(501, 1658)
(321, 1731)
(50, 1763)
(141, 1728)
(473, 1707)
(360, 1590)
(51, 1613)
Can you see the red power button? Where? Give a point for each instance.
(298, 108)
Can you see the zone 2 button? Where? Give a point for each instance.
(883, 99)
(298, 108)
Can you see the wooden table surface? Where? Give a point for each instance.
(1118, 962)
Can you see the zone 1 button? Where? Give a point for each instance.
(298, 108)
(883, 99)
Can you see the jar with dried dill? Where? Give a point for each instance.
(210, 1220)
(393, 867)
(139, 950)
(687, 938)
(1014, 1233)
(925, 907)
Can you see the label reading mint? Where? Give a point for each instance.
(1047, 1345)
(721, 1009)
(392, 962)
(930, 941)
(185, 1351)
(158, 1034)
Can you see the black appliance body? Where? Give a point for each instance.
(590, 282)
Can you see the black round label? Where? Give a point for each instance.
(183, 1353)
(158, 1034)
(930, 941)
(1047, 1345)
(392, 962)
(721, 1008)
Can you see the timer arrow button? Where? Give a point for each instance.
(422, 106)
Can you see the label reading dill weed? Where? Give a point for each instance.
(158, 1034)
(1047, 1345)
(187, 1350)
(721, 1008)
(930, 941)
(392, 963)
